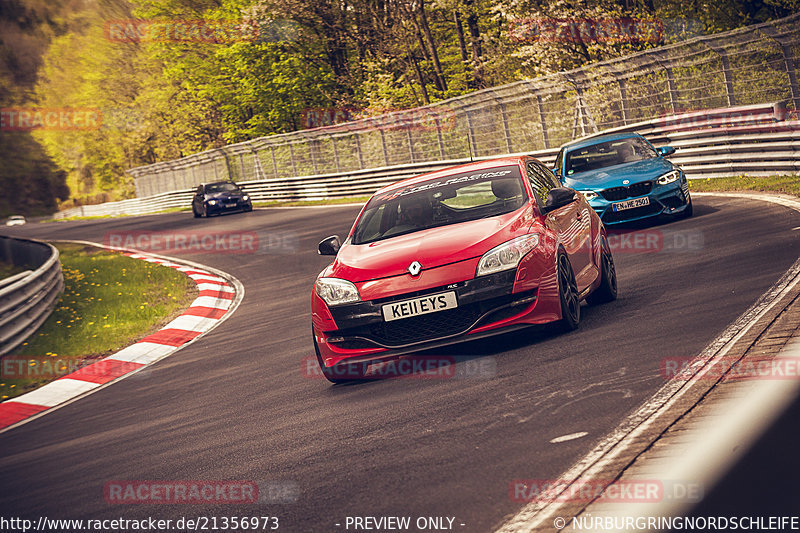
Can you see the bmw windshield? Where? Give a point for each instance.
(607, 154)
(440, 202)
(221, 187)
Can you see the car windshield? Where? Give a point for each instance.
(222, 187)
(607, 154)
(440, 202)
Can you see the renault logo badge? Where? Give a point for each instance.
(415, 268)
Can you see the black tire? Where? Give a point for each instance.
(342, 373)
(689, 211)
(195, 213)
(607, 291)
(568, 295)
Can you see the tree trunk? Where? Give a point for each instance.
(426, 29)
(475, 40)
(462, 44)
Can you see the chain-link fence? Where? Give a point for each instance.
(750, 65)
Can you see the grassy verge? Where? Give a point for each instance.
(299, 203)
(109, 302)
(780, 184)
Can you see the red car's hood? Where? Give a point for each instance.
(432, 247)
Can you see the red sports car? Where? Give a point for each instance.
(454, 255)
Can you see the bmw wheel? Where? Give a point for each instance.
(607, 291)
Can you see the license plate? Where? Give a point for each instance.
(230, 205)
(630, 204)
(419, 306)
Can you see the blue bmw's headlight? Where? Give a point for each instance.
(245, 197)
(669, 177)
(589, 195)
(212, 202)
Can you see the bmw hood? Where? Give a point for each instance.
(634, 172)
(432, 247)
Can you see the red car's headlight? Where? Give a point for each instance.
(507, 255)
(335, 291)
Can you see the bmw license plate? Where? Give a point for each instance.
(230, 205)
(419, 306)
(630, 204)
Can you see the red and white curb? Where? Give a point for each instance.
(219, 295)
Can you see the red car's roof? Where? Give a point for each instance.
(476, 165)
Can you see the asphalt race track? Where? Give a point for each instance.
(237, 405)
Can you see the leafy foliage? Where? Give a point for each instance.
(165, 97)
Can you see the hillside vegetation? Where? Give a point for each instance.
(146, 81)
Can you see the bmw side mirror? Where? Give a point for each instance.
(666, 150)
(329, 246)
(558, 197)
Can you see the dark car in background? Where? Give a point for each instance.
(624, 177)
(220, 197)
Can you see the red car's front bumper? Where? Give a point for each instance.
(487, 305)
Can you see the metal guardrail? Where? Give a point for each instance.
(750, 65)
(28, 298)
(756, 140)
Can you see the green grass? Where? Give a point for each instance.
(109, 302)
(779, 184)
(300, 203)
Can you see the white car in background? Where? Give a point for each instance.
(15, 220)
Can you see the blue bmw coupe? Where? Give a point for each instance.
(624, 178)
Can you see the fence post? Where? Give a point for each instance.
(358, 149)
(471, 136)
(540, 107)
(439, 140)
(788, 62)
(506, 132)
(383, 145)
(410, 142)
(274, 161)
(335, 154)
(291, 156)
(726, 71)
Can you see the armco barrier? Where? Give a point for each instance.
(757, 140)
(28, 298)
